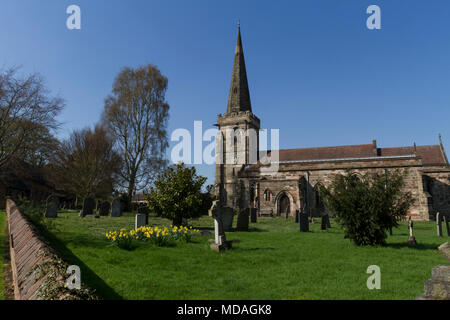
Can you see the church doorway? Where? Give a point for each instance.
(284, 207)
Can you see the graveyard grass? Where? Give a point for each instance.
(272, 261)
(2, 253)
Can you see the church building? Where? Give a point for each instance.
(294, 185)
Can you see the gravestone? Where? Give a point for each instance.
(88, 207)
(253, 215)
(220, 242)
(242, 221)
(52, 207)
(104, 208)
(140, 220)
(328, 221)
(438, 287)
(226, 214)
(324, 222)
(446, 222)
(439, 224)
(116, 208)
(304, 222)
(411, 239)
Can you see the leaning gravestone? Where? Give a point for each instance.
(242, 221)
(140, 221)
(304, 222)
(52, 207)
(116, 209)
(88, 207)
(439, 224)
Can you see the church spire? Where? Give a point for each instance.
(239, 96)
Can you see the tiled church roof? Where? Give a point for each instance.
(431, 155)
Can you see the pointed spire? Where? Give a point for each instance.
(239, 96)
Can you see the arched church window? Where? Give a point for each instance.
(267, 195)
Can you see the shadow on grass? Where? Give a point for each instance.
(90, 278)
(252, 249)
(419, 246)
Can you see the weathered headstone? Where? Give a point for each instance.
(438, 287)
(324, 222)
(242, 220)
(140, 220)
(411, 239)
(445, 250)
(253, 215)
(52, 207)
(220, 242)
(116, 208)
(104, 208)
(304, 222)
(226, 214)
(88, 207)
(447, 226)
(439, 224)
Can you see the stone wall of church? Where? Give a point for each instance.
(429, 187)
(436, 187)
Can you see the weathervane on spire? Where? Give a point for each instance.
(239, 23)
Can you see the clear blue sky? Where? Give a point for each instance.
(315, 71)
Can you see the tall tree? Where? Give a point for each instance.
(27, 111)
(137, 113)
(86, 164)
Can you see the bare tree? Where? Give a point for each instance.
(136, 113)
(26, 112)
(86, 164)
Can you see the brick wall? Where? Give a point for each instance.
(38, 272)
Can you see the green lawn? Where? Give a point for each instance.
(273, 261)
(2, 254)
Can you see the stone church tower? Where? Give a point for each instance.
(237, 140)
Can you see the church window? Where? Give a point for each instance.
(267, 195)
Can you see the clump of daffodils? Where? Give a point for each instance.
(160, 236)
(122, 238)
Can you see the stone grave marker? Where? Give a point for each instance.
(220, 242)
(447, 226)
(242, 221)
(439, 224)
(51, 210)
(253, 215)
(116, 209)
(438, 287)
(88, 207)
(328, 221)
(104, 208)
(411, 239)
(140, 220)
(304, 222)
